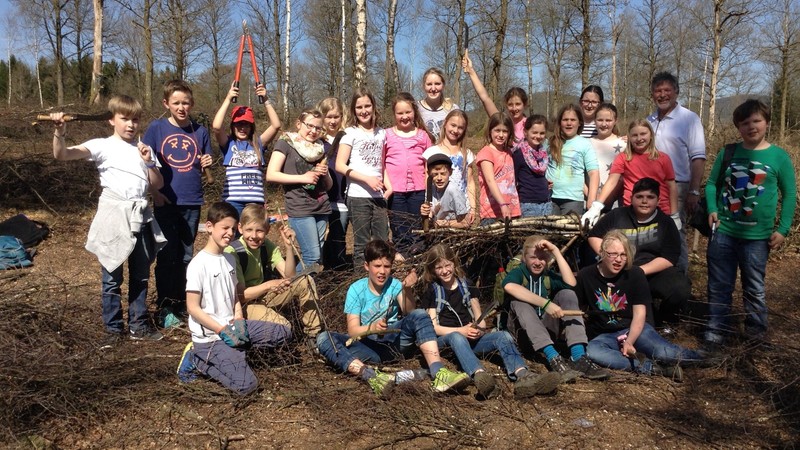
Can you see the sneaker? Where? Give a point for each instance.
(537, 384)
(111, 339)
(487, 388)
(673, 372)
(561, 367)
(448, 380)
(187, 371)
(146, 334)
(381, 384)
(589, 369)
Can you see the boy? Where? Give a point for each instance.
(743, 214)
(656, 239)
(220, 334)
(373, 307)
(183, 149)
(257, 261)
(123, 228)
(449, 207)
(538, 299)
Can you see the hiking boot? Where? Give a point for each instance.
(187, 371)
(673, 372)
(145, 334)
(561, 367)
(381, 384)
(537, 384)
(111, 339)
(487, 388)
(589, 369)
(447, 380)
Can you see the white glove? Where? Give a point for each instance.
(676, 217)
(589, 218)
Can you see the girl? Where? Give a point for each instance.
(591, 98)
(572, 161)
(243, 156)
(360, 159)
(640, 160)
(538, 295)
(451, 143)
(530, 164)
(498, 191)
(607, 145)
(453, 307)
(405, 170)
(297, 163)
(335, 249)
(434, 107)
(515, 99)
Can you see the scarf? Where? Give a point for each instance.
(535, 159)
(310, 151)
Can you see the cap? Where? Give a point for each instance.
(439, 158)
(242, 114)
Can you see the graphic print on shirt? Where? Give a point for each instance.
(611, 301)
(243, 158)
(644, 235)
(743, 188)
(372, 153)
(179, 151)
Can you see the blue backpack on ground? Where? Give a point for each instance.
(12, 254)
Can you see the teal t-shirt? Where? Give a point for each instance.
(370, 307)
(577, 159)
(255, 273)
(747, 203)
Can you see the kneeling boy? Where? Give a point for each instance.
(449, 207)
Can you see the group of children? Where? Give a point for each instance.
(377, 179)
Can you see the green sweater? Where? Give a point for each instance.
(747, 203)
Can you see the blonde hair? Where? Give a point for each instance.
(447, 103)
(432, 257)
(462, 149)
(651, 151)
(253, 213)
(616, 235)
(530, 243)
(125, 105)
(329, 104)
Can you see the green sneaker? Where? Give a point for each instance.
(447, 380)
(381, 384)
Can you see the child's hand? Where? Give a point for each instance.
(287, 234)
(713, 221)
(544, 244)
(554, 311)
(466, 63)
(59, 125)
(472, 332)
(505, 212)
(277, 286)
(425, 210)
(160, 199)
(379, 325)
(321, 168)
(442, 223)
(374, 183)
(233, 92)
(145, 152)
(206, 161)
(627, 349)
(470, 217)
(775, 240)
(387, 193)
(411, 279)
(310, 177)
(262, 91)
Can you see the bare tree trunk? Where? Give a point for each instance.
(703, 86)
(149, 63)
(391, 79)
(586, 42)
(528, 56)
(97, 57)
(360, 69)
(497, 57)
(276, 49)
(616, 31)
(715, 55)
(462, 25)
(340, 87)
(59, 56)
(286, 65)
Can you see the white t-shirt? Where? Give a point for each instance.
(606, 150)
(120, 167)
(366, 157)
(680, 135)
(214, 277)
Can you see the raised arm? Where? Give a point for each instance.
(219, 118)
(488, 103)
(60, 150)
(274, 121)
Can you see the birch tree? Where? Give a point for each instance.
(97, 53)
(360, 69)
(391, 80)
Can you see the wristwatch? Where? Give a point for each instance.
(694, 192)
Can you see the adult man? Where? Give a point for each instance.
(679, 134)
(654, 237)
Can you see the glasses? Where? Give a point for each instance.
(590, 102)
(313, 127)
(612, 256)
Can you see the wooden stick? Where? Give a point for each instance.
(70, 117)
(364, 334)
(572, 312)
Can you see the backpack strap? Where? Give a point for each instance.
(727, 157)
(441, 302)
(241, 253)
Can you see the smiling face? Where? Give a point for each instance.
(569, 124)
(179, 105)
(445, 271)
(125, 126)
(605, 121)
(333, 121)
(378, 271)
(242, 129)
(404, 116)
(535, 135)
(310, 128)
(363, 111)
(454, 129)
(589, 103)
(665, 96)
(614, 258)
(753, 130)
(433, 87)
(254, 233)
(644, 204)
(499, 136)
(639, 137)
(440, 175)
(515, 107)
(535, 260)
(221, 232)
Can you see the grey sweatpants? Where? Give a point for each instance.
(538, 330)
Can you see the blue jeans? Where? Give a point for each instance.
(725, 254)
(604, 350)
(138, 276)
(405, 217)
(334, 252)
(415, 330)
(179, 224)
(499, 341)
(370, 221)
(310, 232)
(536, 209)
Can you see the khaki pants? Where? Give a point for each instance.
(298, 295)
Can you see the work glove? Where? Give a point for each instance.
(589, 218)
(235, 334)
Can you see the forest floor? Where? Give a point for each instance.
(59, 390)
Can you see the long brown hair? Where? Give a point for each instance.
(557, 143)
(435, 254)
